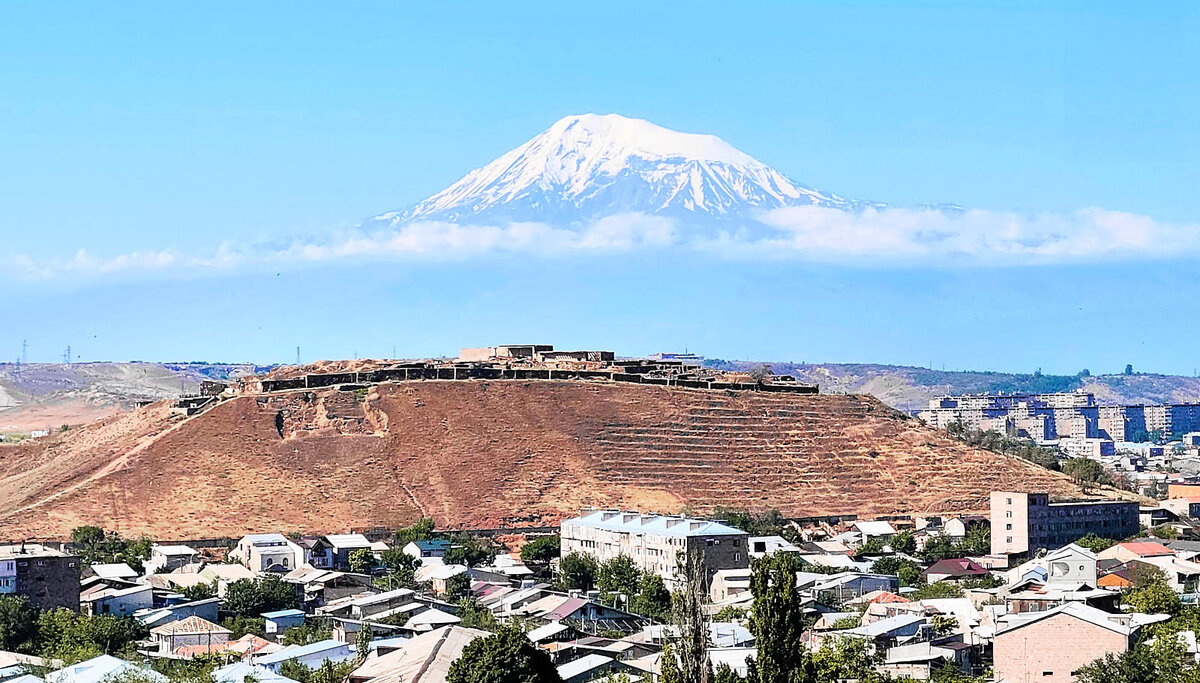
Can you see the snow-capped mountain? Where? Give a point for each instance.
(590, 166)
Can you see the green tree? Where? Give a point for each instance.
(328, 672)
(361, 561)
(540, 551)
(619, 575)
(1094, 543)
(577, 572)
(458, 586)
(687, 614)
(311, 631)
(252, 597)
(842, 659)
(200, 591)
(653, 599)
(362, 642)
(1164, 661)
(724, 674)
(903, 542)
(777, 620)
(505, 657)
(18, 623)
(395, 559)
(1085, 471)
(421, 530)
(71, 637)
(938, 589)
(473, 615)
(469, 550)
(1155, 598)
(240, 626)
(1129, 369)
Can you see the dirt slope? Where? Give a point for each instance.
(489, 454)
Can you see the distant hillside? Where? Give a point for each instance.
(49, 395)
(487, 454)
(910, 388)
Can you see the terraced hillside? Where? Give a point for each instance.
(490, 454)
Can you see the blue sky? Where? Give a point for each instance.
(147, 128)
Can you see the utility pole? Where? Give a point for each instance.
(24, 352)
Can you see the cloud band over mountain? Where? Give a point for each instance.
(880, 237)
(593, 185)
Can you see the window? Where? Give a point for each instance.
(1008, 527)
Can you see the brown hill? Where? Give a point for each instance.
(489, 454)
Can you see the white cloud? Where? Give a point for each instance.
(916, 237)
(972, 237)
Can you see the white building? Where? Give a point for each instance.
(655, 543)
(268, 552)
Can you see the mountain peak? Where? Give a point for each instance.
(616, 136)
(588, 166)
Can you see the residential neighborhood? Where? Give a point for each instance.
(1037, 589)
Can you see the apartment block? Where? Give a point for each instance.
(48, 577)
(654, 542)
(1023, 523)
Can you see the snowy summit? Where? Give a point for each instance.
(590, 166)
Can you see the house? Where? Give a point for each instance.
(954, 570)
(119, 571)
(104, 668)
(312, 655)
(268, 553)
(654, 542)
(117, 602)
(590, 667)
(886, 633)
(422, 550)
(199, 636)
(578, 612)
(240, 672)
(282, 621)
(729, 583)
(48, 578)
(439, 576)
(1135, 550)
(1050, 646)
(333, 551)
(918, 661)
(220, 575)
(763, 546)
(874, 529)
(846, 585)
(322, 586)
(424, 659)
(166, 558)
(956, 528)
(205, 609)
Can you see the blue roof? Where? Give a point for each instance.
(302, 651)
(433, 544)
(283, 613)
(633, 522)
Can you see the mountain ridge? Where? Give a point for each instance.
(585, 167)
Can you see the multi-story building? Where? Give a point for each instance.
(1027, 522)
(48, 577)
(654, 542)
(1047, 417)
